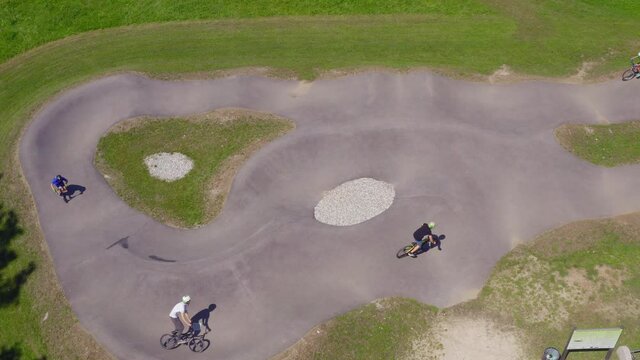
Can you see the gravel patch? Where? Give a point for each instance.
(354, 202)
(168, 166)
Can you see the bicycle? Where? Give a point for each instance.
(406, 249)
(59, 190)
(195, 343)
(633, 71)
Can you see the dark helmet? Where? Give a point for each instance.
(59, 177)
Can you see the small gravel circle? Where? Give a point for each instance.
(354, 202)
(168, 166)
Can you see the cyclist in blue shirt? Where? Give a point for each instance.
(59, 185)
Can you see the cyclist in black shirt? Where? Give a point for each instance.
(422, 235)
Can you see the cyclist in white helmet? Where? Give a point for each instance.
(179, 316)
(422, 235)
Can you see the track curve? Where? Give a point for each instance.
(479, 159)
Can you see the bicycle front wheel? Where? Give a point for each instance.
(169, 341)
(199, 345)
(628, 75)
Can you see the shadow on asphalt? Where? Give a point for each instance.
(124, 243)
(10, 282)
(201, 318)
(158, 258)
(426, 246)
(71, 192)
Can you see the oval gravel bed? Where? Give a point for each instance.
(354, 202)
(168, 166)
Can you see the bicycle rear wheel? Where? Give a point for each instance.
(169, 341)
(628, 75)
(404, 251)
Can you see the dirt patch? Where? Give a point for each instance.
(502, 73)
(583, 71)
(244, 71)
(579, 288)
(475, 338)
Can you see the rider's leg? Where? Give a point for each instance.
(416, 247)
(65, 195)
(177, 324)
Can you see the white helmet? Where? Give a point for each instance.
(186, 299)
(431, 225)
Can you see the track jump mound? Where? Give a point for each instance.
(354, 202)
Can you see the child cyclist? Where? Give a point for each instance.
(59, 185)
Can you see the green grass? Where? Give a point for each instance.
(606, 145)
(25, 24)
(546, 38)
(210, 143)
(383, 329)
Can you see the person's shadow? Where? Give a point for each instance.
(200, 319)
(73, 191)
(428, 246)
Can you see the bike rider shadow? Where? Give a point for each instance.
(426, 246)
(71, 192)
(201, 318)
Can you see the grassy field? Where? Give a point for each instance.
(383, 329)
(545, 38)
(218, 143)
(584, 274)
(25, 24)
(606, 145)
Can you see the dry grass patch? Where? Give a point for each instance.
(584, 274)
(383, 329)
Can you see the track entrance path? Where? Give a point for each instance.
(479, 159)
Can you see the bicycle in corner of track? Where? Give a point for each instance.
(196, 343)
(634, 71)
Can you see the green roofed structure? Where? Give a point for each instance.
(591, 340)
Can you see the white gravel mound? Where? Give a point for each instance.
(354, 202)
(168, 166)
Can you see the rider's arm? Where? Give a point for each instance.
(185, 318)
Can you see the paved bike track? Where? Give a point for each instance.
(479, 159)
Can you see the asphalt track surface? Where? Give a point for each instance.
(479, 159)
